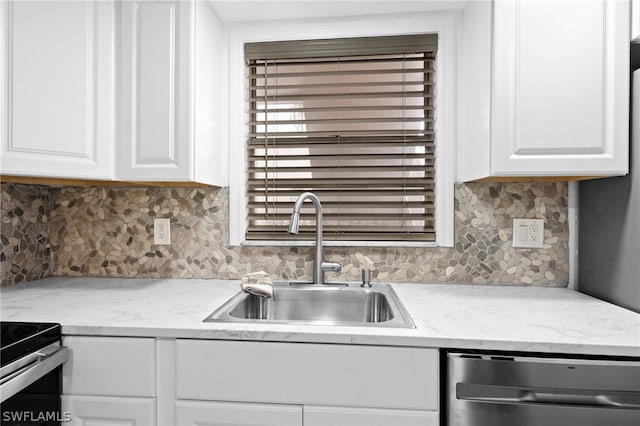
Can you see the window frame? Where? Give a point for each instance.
(442, 23)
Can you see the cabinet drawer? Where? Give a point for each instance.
(111, 366)
(297, 373)
(346, 416)
(108, 411)
(199, 413)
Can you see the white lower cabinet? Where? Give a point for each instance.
(189, 382)
(305, 373)
(259, 383)
(208, 413)
(349, 416)
(108, 411)
(109, 381)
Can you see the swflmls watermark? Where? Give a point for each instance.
(35, 416)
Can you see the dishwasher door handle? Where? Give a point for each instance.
(530, 395)
(30, 369)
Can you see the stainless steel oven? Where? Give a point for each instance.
(501, 389)
(31, 358)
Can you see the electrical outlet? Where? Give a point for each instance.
(161, 231)
(528, 233)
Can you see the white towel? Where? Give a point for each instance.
(257, 283)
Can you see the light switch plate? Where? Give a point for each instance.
(161, 231)
(528, 233)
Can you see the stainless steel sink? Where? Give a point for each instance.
(294, 303)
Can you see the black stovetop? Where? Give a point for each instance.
(20, 338)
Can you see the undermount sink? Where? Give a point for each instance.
(335, 304)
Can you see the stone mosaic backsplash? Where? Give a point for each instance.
(25, 249)
(104, 231)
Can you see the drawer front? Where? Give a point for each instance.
(297, 373)
(110, 366)
(199, 413)
(108, 411)
(346, 416)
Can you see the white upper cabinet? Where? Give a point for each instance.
(546, 92)
(61, 115)
(172, 127)
(57, 88)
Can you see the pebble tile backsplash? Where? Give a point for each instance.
(105, 231)
(25, 253)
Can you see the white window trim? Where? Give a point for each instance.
(443, 23)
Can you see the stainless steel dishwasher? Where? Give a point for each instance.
(497, 390)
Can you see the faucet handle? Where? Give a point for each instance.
(331, 266)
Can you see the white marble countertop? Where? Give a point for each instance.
(534, 319)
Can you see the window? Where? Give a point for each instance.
(351, 120)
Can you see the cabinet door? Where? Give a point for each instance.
(108, 411)
(347, 416)
(155, 91)
(193, 413)
(57, 88)
(560, 88)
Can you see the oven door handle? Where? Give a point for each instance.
(529, 395)
(31, 368)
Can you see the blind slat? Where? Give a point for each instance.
(351, 95)
(344, 121)
(373, 234)
(345, 204)
(308, 74)
(307, 141)
(342, 182)
(332, 61)
(346, 133)
(346, 218)
(310, 157)
(310, 229)
(352, 169)
(346, 192)
(337, 85)
(342, 108)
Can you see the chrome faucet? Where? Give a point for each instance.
(319, 266)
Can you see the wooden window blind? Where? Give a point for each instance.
(351, 120)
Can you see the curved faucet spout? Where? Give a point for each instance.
(294, 224)
(319, 266)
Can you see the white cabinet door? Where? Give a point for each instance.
(544, 89)
(172, 92)
(196, 413)
(560, 88)
(57, 88)
(108, 411)
(347, 416)
(155, 90)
